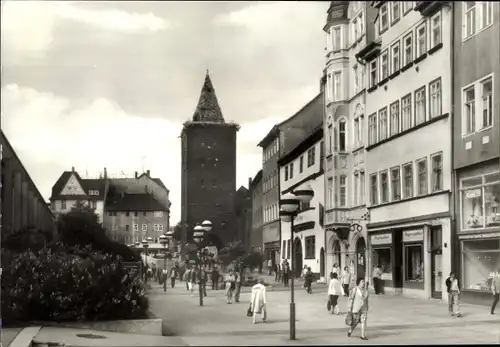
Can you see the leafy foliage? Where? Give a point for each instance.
(57, 285)
(178, 229)
(28, 238)
(80, 227)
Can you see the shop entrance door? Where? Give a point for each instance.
(436, 263)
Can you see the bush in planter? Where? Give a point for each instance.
(60, 286)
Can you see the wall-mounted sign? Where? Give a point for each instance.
(473, 193)
(479, 236)
(413, 235)
(381, 239)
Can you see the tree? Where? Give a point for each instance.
(81, 227)
(235, 251)
(178, 229)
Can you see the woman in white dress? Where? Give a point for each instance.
(258, 301)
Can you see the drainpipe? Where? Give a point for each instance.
(454, 243)
(325, 253)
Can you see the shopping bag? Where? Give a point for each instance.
(249, 311)
(328, 305)
(349, 318)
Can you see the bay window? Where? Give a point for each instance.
(342, 135)
(336, 38)
(343, 190)
(337, 85)
(480, 201)
(329, 202)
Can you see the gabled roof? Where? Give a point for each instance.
(133, 202)
(87, 184)
(156, 180)
(208, 109)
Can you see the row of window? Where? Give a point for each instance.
(403, 116)
(158, 214)
(392, 10)
(414, 46)
(134, 239)
(64, 206)
(270, 181)
(477, 16)
(271, 213)
(477, 96)
(398, 182)
(135, 227)
(337, 191)
(311, 157)
(270, 151)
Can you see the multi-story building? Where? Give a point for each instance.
(348, 28)
(282, 138)
(244, 214)
(23, 206)
(476, 145)
(299, 168)
(408, 153)
(209, 170)
(256, 243)
(70, 189)
(130, 209)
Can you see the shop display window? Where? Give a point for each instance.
(480, 260)
(382, 257)
(480, 201)
(414, 263)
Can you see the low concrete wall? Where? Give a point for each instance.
(134, 326)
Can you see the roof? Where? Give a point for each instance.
(257, 178)
(208, 109)
(274, 132)
(87, 184)
(133, 202)
(314, 137)
(156, 180)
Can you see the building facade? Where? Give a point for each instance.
(348, 28)
(300, 168)
(256, 243)
(244, 214)
(209, 170)
(408, 152)
(23, 206)
(476, 145)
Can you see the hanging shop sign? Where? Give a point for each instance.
(413, 235)
(381, 239)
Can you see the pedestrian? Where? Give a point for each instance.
(358, 308)
(154, 272)
(260, 266)
(215, 278)
(286, 273)
(187, 279)
(377, 278)
(308, 280)
(192, 280)
(202, 281)
(230, 286)
(495, 288)
(276, 272)
(258, 301)
(239, 282)
(346, 280)
(303, 274)
(173, 274)
(270, 266)
(453, 288)
(334, 290)
(336, 269)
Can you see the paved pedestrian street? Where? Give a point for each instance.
(391, 320)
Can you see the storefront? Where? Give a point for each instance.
(479, 235)
(382, 256)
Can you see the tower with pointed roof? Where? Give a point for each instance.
(209, 170)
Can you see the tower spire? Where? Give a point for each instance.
(208, 109)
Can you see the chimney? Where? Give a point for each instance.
(148, 173)
(136, 175)
(249, 182)
(105, 173)
(72, 169)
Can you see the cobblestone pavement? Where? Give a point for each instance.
(391, 320)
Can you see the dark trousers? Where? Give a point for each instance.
(496, 298)
(277, 276)
(308, 287)
(172, 281)
(204, 288)
(215, 284)
(376, 285)
(346, 289)
(333, 301)
(285, 279)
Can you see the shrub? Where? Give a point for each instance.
(58, 285)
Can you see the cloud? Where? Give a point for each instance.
(29, 25)
(52, 133)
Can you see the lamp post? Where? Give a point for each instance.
(199, 233)
(289, 208)
(145, 245)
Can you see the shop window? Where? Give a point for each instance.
(480, 200)
(414, 263)
(382, 257)
(480, 260)
(310, 247)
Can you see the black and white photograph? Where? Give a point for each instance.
(249, 173)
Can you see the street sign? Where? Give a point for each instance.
(133, 268)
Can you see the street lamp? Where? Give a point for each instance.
(146, 245)
(289, 207)
(198, 234)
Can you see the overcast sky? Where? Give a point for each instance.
(104, 84)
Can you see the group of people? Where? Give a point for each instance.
(281, 272)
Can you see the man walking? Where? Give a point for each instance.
(453, 288)
(173, 274)
(495, 288)
(239, 282)
(377, 275)
(286, 272)
(215, 278)
(270, 266)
